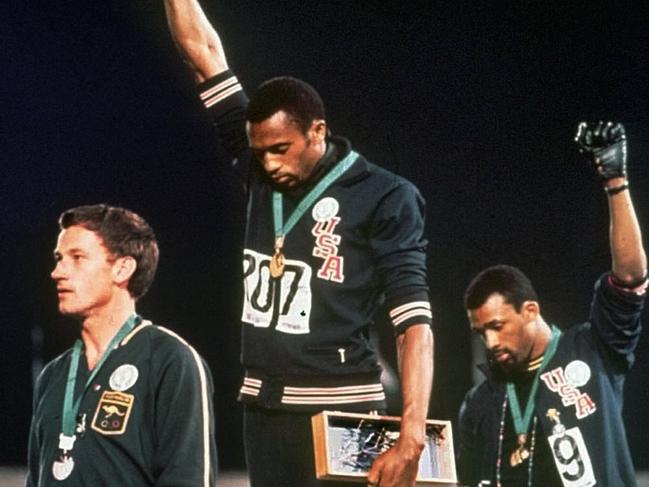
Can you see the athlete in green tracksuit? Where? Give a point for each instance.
(130, 403)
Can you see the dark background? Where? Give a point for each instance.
(477, 104)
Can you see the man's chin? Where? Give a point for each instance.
(69, 312)
(286, 183)
(506, 365)
(511, 368)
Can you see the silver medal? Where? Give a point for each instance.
(62, 468)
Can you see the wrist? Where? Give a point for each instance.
(615, 186)
(413, 436)
(616, 181)
(410, 448)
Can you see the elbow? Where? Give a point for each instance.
(204, 58)
(630, 270)
(630, 279)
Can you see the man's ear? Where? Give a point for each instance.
(531, 310)
(318, 131)
(123, 269)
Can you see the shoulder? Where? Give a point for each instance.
(395, 193)
(165, 345)
(55, 366)
(366, 173)
(478, 393)
(481, 399)
(389, 180)
(384, 187)
(174, 362)
(574, 333)
(55, 369)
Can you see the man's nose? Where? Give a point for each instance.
(57, 272)
(271, 163)
(491, 339)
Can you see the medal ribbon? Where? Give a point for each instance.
(522, 423)
(71, 407)
(281, 229)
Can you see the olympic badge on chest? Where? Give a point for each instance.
(327, 242)
(123, 377)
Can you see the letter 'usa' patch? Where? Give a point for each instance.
(112, 413)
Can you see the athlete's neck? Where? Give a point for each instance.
(541, 340)
(98, 329)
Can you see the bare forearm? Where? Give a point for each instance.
(398, 466)
(415, 349)
(196, 39)
(629, 260)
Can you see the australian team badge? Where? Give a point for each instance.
(112, 413)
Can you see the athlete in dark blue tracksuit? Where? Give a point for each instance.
(569, 383)
(328, 237)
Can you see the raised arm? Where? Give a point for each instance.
(628, 255)
(197, 41)
(605, 145)
(218, 88)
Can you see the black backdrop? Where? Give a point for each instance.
(475, 103)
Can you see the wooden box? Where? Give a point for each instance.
(346, 444)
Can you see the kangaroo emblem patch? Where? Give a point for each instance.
(112, 413)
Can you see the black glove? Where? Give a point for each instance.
(604, 143)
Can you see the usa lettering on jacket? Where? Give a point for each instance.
(556, 381)
(326, 247)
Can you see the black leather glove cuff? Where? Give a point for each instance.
(610, 162)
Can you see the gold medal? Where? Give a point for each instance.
(276, 265)
(521, 453)
(277, 260)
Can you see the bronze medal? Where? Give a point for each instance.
(521, 453)
(515, 458)
(276, 265)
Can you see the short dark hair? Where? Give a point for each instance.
(125, 234)
(506, 280)
(298, 99)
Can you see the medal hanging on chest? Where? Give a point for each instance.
(522, 421)
(63, 466)
(276, 265)
(521, 453)
(277, 262)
